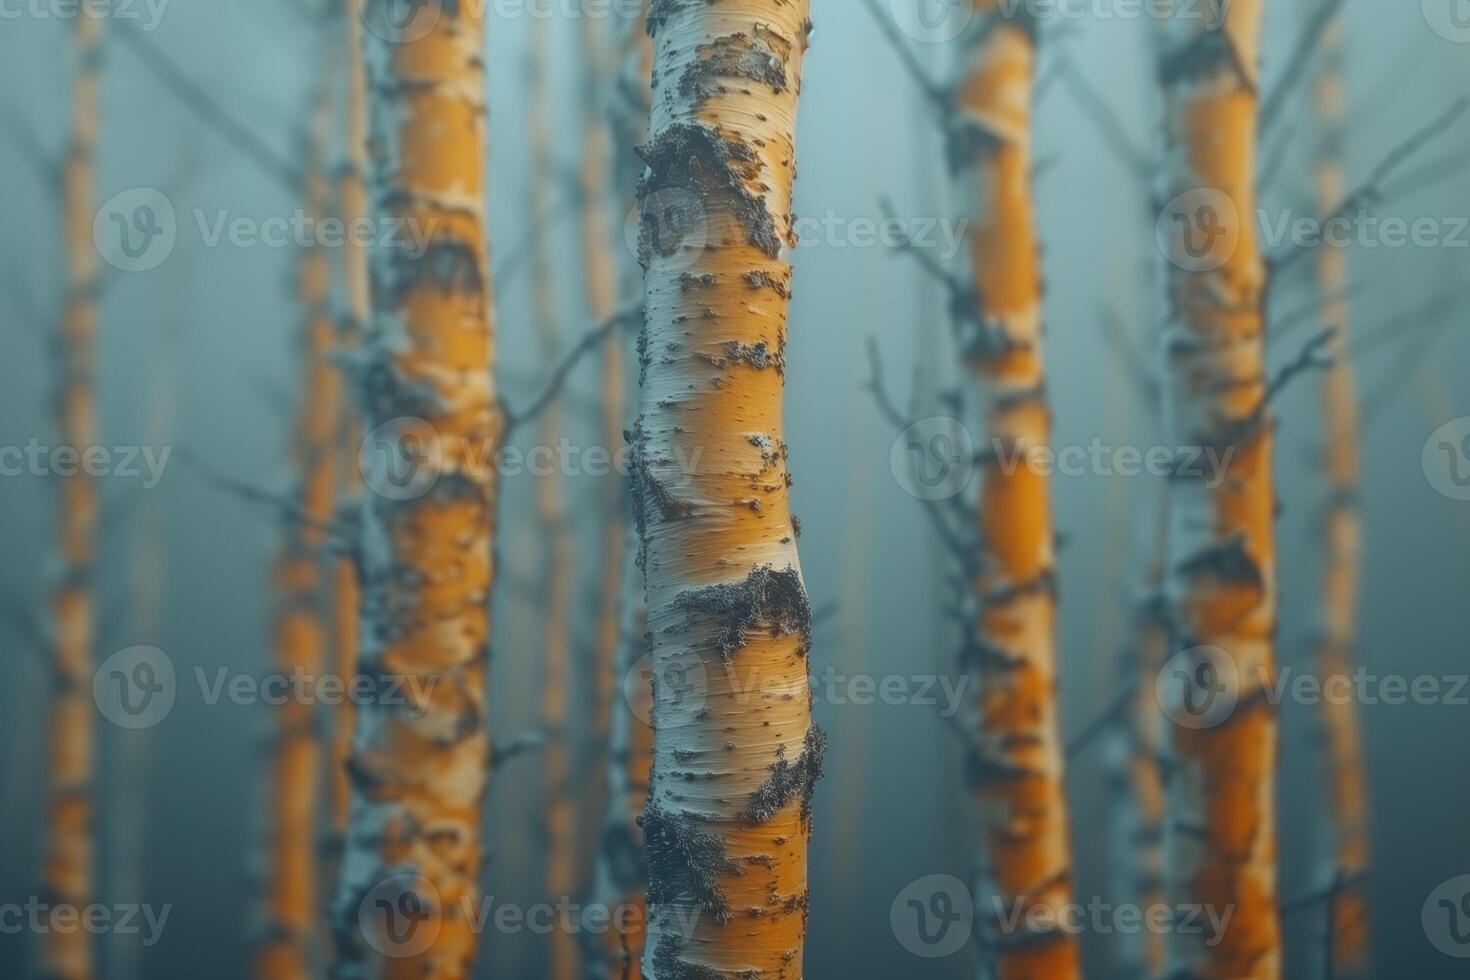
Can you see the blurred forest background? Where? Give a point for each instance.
(222, 325)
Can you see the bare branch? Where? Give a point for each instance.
(1105, 719)
(193, 96)
(593, 339)
(958, 290)
(1301, 57)
(1280, 326)
(1341, 881)
(1371, 190)
(931, 90)
(523, 744)
(283, 504)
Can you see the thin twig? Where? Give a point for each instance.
(1301, 57)
(590, 341)
(283, 504)
(1105, 719)
(523, 744)
(931, 89)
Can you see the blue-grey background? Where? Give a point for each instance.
(892, 808)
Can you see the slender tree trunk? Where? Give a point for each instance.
(1342, 540)
(736, 754)
(352, 203)
(601, 286)
(621, 875)
(560, 825)
(301, 626)
(421, 764)
(1016, 770)
(67, 874)
(1221, 577)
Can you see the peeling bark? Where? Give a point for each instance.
(67, 870)
(420, 769)
(1017, 768)
(1221, 580)
(728, 820)
(300, 625)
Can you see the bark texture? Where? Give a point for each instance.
(736, 755)
(1221, 576)
(1017, 761)
(301, 624)
(420, 764)
(1342, 540)
(67, 870)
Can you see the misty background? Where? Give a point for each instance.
(893, 807)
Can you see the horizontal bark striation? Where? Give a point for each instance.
(420, 768)
(1015, 765)
(728, 815)
(1221, 573)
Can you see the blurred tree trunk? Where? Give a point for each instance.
(560, 825)
(621, 874)
(352, 204)
(1016, 769)
(736, 754)
(1342, 539)
(300, 629)
(420, 764)
(67, 873)
(1221, 574)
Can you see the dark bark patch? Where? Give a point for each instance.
(761, 279)
(450, 265)
(684, 862)
(760, 56)
(790, 780)
(1229, 561)
(775, 600)
(667, 964)
(695, 158)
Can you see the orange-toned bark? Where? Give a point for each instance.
(67, 870)
(1342, 542)
(1017, 765)
(299, 584)
(1221, 835)
(420, 764)
(736, 753)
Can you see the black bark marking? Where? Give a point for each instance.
(684, 861)
(775, 599)
(789, 780)
(1228, 561)
(760, 56)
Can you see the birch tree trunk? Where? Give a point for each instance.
(736, 754)
(67, 872)
(352, 203)
(1016, 769)
(299, 584)
(560, 827)
(1342, 539)
(1221, 578)
(420, 764)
